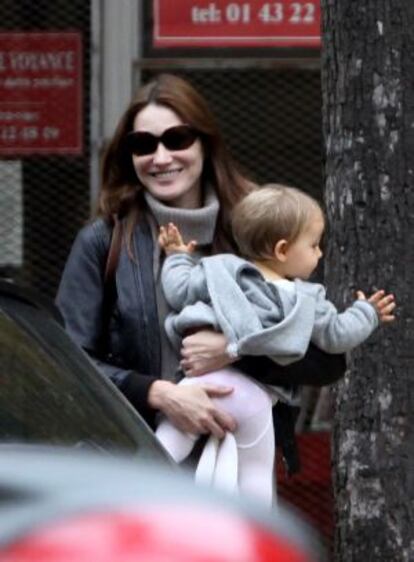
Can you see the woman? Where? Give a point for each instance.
(166, 163)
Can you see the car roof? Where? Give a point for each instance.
(28, 295)
(17, 305)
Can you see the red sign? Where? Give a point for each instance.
(40, 93)
(225, 23)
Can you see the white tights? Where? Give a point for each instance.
(243, 461)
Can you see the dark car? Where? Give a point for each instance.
(61, 506)
(50, 391)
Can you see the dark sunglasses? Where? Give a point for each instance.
(174, 138)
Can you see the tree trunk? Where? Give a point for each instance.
(368, 113)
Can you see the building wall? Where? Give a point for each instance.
(267, 105)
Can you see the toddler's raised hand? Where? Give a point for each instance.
(172, 242)
(383, 304)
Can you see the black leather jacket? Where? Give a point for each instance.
(123, 336)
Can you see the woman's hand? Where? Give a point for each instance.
(190, 407)
(204, 351)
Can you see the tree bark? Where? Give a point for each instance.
(368, 121)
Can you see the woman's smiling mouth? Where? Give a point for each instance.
(166, 173)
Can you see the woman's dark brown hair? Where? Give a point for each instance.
(120, 191)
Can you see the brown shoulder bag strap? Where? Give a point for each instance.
(114, 250)
(109, 285)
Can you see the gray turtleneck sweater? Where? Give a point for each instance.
(194, 224)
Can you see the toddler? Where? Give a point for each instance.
(265, 306)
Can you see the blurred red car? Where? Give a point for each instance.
(57, 506)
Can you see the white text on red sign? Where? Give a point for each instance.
(271, 13)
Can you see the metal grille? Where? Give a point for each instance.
(310, 490)
(271, 119)
(44, 199)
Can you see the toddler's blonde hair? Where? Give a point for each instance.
(271, 213)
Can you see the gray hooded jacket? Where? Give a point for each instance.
(258, 318)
